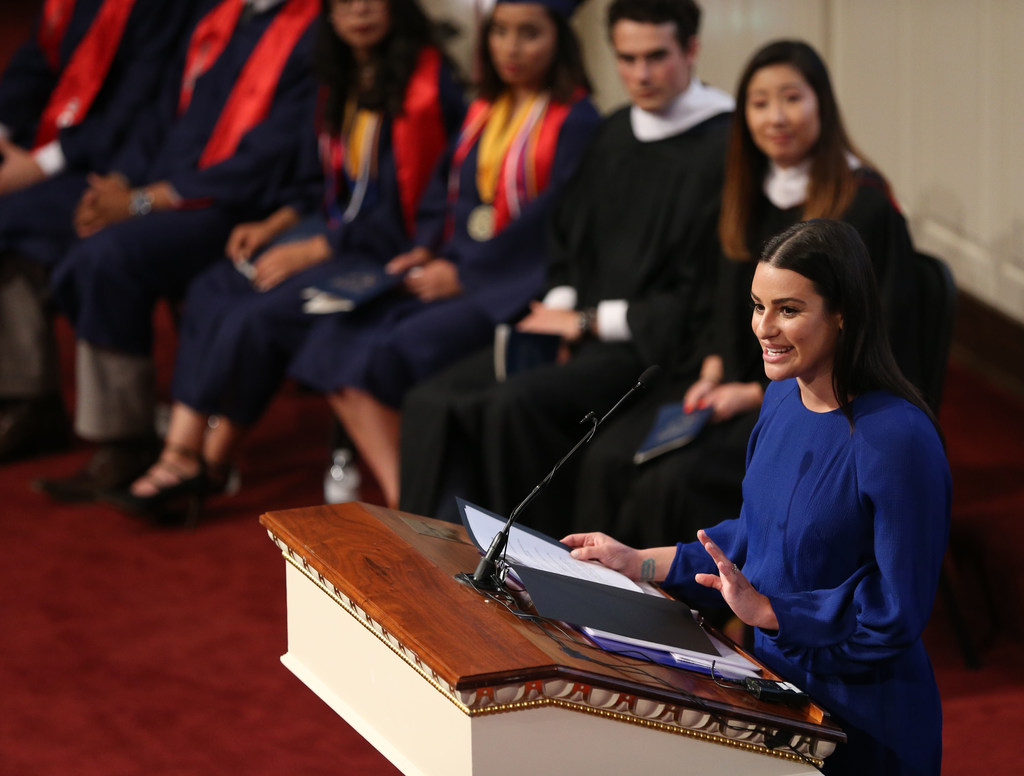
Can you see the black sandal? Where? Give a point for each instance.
(178, 495)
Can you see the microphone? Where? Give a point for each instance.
(483, 578)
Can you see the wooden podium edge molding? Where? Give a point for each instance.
(572, 695)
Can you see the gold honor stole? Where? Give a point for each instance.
(253, 91)
(418, 138)
(81, 79)
(514, 159)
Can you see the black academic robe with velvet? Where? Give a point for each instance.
(636, 223)
(668, 498)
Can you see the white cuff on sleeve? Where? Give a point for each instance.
(561, 298)
(612, 325)
(50, 158)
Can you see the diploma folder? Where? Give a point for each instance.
(352, 287)
(672, 429)
(518, 351)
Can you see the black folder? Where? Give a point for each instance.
(589, 604)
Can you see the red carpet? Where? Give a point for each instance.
(128, 650)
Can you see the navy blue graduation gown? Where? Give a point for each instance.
(236, 343)
(391, 345)
(108, 283)
(36, 222)
(147, 44)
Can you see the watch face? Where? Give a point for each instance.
(140, 204)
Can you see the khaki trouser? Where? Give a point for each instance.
(116, 394)
(28, 349)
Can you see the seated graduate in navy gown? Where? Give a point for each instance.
(389, 104)
(479, 254)
(68, 97)
(633, 251)
(789, 158)
(834, 559)
(218, 148)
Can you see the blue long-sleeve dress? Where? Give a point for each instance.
(391, 345)
(845, 533)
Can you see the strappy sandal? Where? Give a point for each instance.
(177, 494)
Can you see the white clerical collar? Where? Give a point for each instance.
(786, 187)
(259, 6)
(698, 103)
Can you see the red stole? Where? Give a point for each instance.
(418, 134)
(527, 176)
(253, 91)
(81, 79)
(55, 19)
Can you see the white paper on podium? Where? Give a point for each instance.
(532, 548)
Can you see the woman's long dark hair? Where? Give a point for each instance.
(833, 184)
(832, 255)
(394, 61)
(565, 77)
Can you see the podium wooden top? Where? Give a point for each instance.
(396, 572)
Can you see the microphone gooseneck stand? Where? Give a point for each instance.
(487, 577)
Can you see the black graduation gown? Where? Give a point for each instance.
(637, 222)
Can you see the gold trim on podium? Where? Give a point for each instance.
(801, 750)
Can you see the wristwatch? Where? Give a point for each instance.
(586, 320)
(140, 203)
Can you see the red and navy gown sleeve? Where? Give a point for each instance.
(144, 50)
(259, 174)
(25, 85)
(147, 47)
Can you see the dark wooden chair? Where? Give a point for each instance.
(937, 299)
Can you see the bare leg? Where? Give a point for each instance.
(374, 428)
(222, 443)
(181, 454)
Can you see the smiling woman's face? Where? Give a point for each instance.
(781, 111)
(798, 335)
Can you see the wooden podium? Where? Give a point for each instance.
(443, 681)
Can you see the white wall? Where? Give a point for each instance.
(930, 90)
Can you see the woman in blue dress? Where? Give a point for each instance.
(479, 253)
(835, 556)
(388, 105)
